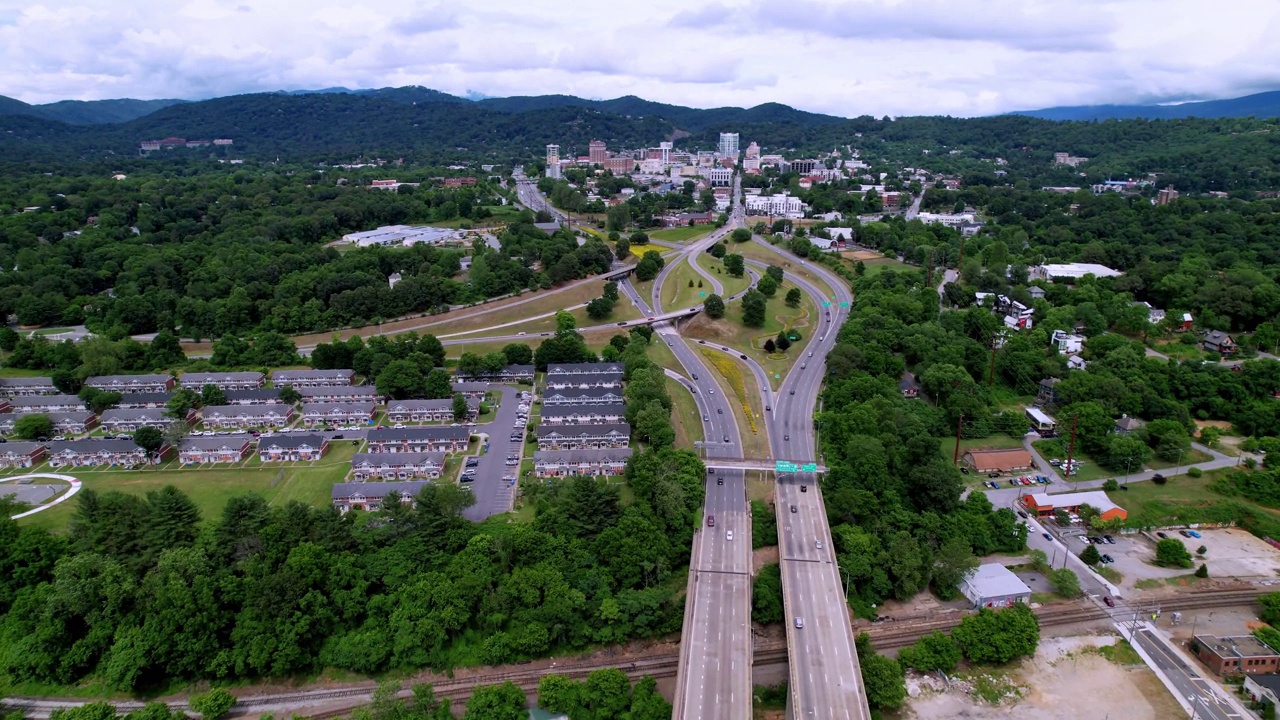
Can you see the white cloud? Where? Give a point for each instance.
(848, 57)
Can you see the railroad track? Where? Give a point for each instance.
(335, 702)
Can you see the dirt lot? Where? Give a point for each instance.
(1233, 553)
(861, 255)
(1068, 678)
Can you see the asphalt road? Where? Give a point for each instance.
(493, 494)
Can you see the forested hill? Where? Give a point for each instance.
(85, 112)
(1193, 154)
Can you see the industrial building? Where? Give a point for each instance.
(1003, 461)
(994, 586)
(403, 235)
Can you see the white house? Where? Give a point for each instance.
(1068, 343)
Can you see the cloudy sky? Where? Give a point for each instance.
(845, 57)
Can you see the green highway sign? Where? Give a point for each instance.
(809, 467)
(826, 303)
(844, 304)
(702, 294)
(784, 466)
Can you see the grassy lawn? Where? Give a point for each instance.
(740, 386)
(662, 355)
(676, 292)
(209, 489)
(764, 255)
(681, 234)
(732, 285)
(877, 265)
(730, 331)
(51, 331)
(1057, 448)
(1180, 351)
(21, 372)
(623, 310)
(685, 416)
(644, 288)
(1152, 500)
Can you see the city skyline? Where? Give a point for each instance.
(963, 58)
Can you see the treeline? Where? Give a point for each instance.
(141, 593)
(898, 522)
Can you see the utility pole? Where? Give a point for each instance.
(991, 375)
(1071, 448)
(959, 425)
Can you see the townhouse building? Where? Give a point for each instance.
(46, 404)
(312, 378)
(582, 437)
(403, 411)
(341, 413)
(223, 380)
(583, 368)
(65, 423)
(16, 387)
(295, 447)
(255, 396)
(419, 439)
(131, 383)
(221, 449)
(510, 373)
(611, 413)
(21, 454)
(581, 396)
(584, 381)
(128, 420)
(339, 394)
(397, 466)
(561, 463)
(472, 390)
(90, 453)
(136, 401)
(247, 416)
(373, 496)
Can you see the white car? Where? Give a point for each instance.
(728, 534)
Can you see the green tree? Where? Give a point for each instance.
(753, 309)
(639, 237)
(1170, 552)
(1065, 582)
(714, 306)
(717, 251)
(997, 636)
(1091, 556)
(1202, 571)
(565, 322)
(558, 693)
(599, 308)
(438, 385)
(518, 354)
(213, 704)
(766, 596)
(793, 297)
(181, 403)
(882, 677)
(767, 286)
(149, 438)
(653, 425)
(289, 395)
(935, 651)
(212, 395)
(1270, 603)
(740, 235)
(496, 702)
(734, 265)
(951, 563)
(401, 379)
(461, 411)
(783, 343)
(32, 426)
(622, 248)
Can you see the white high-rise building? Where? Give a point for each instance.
(665, 149)
(729, 145)
(553, 162)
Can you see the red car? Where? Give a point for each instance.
(1107, 599)
(711, 521)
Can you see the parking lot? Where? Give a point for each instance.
(1232, 553)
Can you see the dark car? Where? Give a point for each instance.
(744, 357)
(1110, 540)
(719, 411)
(793, 508)
(711, 521)
(993, 475)
(719, 481)
(964, 470)
(1162, 535)
(786, 438)
(624, 322)
(1047, 536)
(804, 488)
(1022, 515)
(1184, 533)
(793, 392)
(1107, 599)
(726, 438)
(1108, 558)
(768, 407)
(702, 342)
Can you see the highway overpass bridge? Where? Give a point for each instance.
(763, 466)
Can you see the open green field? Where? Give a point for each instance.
(1180, 493)
(739, 385)
(685, 417)
(623, 310)
(764, 255)
(209, 488)
(501, 214)
(732, 285)
(1057, 448)
(1180, 351)
(22, 372)
(659, 353)
(547, 303)
(676, 292)
(731, 332)
(682, 234)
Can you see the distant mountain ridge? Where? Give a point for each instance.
(86, 112)
(1262, 105)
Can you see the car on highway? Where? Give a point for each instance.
(706, 418)
(793, 392)
(1022, 515)
(702, 342)
(810, 354)
(622, 323)
(711, 521)
(768, 407)
(744, 357)
(650, 318)
(726, 438)
(695, 376)
(804, 488)
(817, 544)
(803, 366)
(728, 534)
(793, 508)
(1107, 599)
(799, 623)
(719, 481)
(1047, 536)
(719, 411)
(786, 437)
